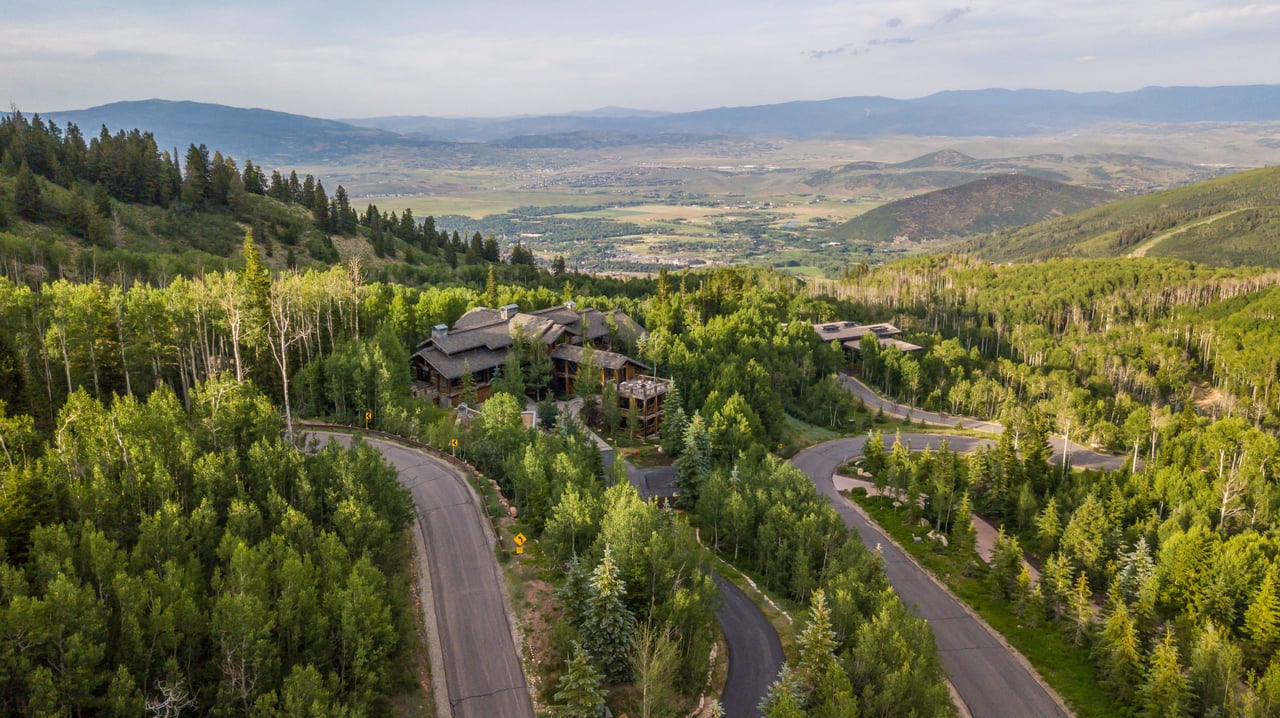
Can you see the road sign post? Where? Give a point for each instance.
(519, 540)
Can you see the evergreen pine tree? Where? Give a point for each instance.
(1006, 562)
(607, 626)
(579, 693)
(1262, 622)
(1049, 525)
(320, 207)
(1165, 693)
(575, 592)
(1266, 689)
(257, 281)
(674, 423)
(195, 176)
(833, 695)
(1081, 605)
(468, 390)
(539, 368)
(963, 536)
(785, 695)
(1215, 669)
(26, 194)
(491, 288)
(694, 465)
(586, 380)
(818, 641)
(1117, 654)
(873, 459)
(609, 406)
(101, 201)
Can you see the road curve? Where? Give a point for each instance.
(482, 667)
(755, 651)
(991, 679)
(1081, 456)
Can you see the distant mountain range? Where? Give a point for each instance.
(265, 134)
(952, 114)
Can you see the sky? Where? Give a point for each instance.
(488, 58)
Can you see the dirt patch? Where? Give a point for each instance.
(1210, 400)
(537, 611)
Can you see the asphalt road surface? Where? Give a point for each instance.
(481, 665)
(755, 652)
(990, 678)
(1081, 457)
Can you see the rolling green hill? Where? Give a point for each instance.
(976, 207)
(1228, 221)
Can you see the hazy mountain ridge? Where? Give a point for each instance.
(976, 207)
(260, 133)
(1119, 172)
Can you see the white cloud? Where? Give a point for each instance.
(505, 57)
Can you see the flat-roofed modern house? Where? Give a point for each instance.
(479, 342)
(850, 334)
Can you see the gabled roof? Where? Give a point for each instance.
(560, 314)
(482, 337)
(477, 317)
(535, 328)
(607, 360)
(453, 367)
(492, 336)
(629, 330)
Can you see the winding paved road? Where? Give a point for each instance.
(482, 668)
(755, 651)
(990, 677)
(1081, 457)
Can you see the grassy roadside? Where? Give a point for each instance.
(1065, 667)
(413, 665)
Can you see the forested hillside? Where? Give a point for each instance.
(1163, 574)
(1229, 221)
(976, 207)
(119, 208)
(1086, 341)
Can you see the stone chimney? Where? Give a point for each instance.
(509, 311)
(572, 305)
(439, 331)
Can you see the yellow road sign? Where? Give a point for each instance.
(519, 550)
(520, 539)
(453, 443)
(368, 415)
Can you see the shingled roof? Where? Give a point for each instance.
(454, 367)
(607, 360)
(482, 337)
